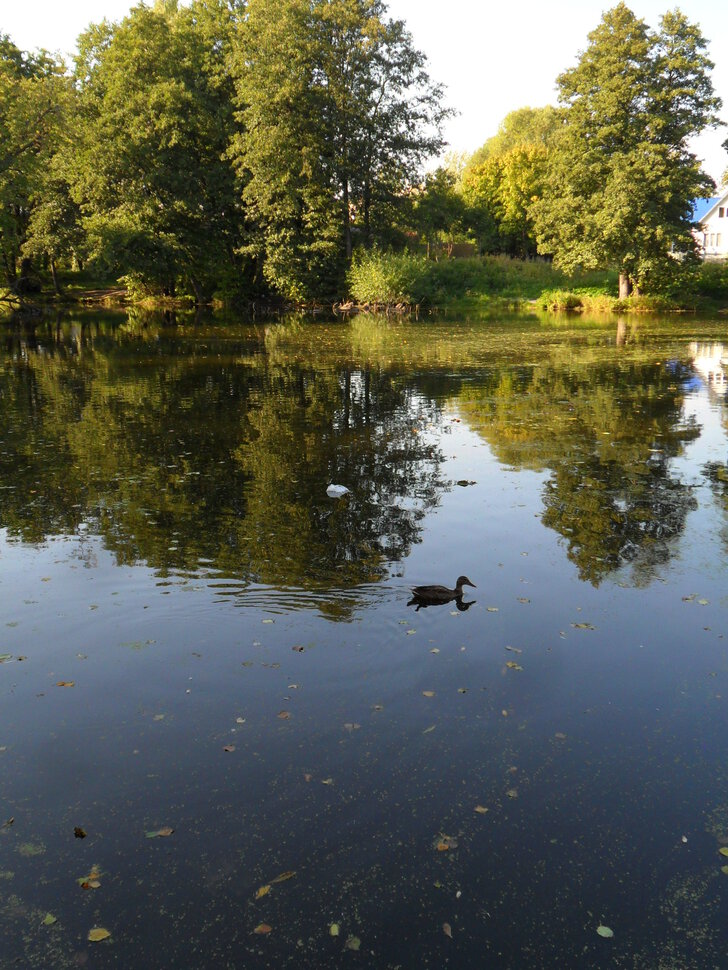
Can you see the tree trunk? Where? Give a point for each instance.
(54, 277)
(625, 286)
(347, 220)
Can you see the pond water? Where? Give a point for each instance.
(213, 669)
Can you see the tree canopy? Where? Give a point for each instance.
(621, 175)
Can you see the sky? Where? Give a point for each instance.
(492, 57)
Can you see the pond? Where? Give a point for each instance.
(229, 738)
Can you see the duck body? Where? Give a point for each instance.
(441, 594)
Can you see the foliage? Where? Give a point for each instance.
(439, 209)
(498, 194)
(159, 199)
(524, 126)
(34, 103)
(621, 176)
(338, 112)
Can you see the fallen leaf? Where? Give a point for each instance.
(435, 650)
(160, 833)
(285, 876)
(723, 850)
(513, 665)
(79, 832)
(97, 934)
(352, 943)
(240, 720)
(49, 919)
(91, 884)
(442, 846)
(512, 793)
(447, 929)
(327, 781)
(66, 683)
(263, 891)
(428, 693)
(428, 729)
(228, 747)
(480, 809)
(560, 736)
(334, 929)
(492, 609)
(284, 715)
(307, 777)
(523, 599)
(514, 649)
(268, 621)
(583, 626)
(703, 602)
(605, 931)
(410, 632)
(724, 869)
(298, 649)
(462, 690)
(262, 929)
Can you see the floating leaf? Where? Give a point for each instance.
(442, 846)
(240, 720)
(66, 683)
(560, 736)
(79, 832)
(704, 602)
(428, 729)
(513, 665)
(492, 609)
(410, 632)
(447, 929)
(428, 693)
(97, 934)
(723, 850)
(160, 833)
(480, 809)
(284, 715)
(523, 599)
(327, 781)
(514, 649)
(435, 650)
(583, 626)
(285, 876)
(263, 891)
(49, 919)
(268, 621)
(334, 929)
(352, 943)
(228, 747)
(5, 656)
(724, 869)
(605, 932)
(462, 690)
(512, 793)
(91, 884)
(262, 929)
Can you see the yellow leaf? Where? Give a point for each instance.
(428, 693)
(97, 934)
(723, 850)
(263, 891)
(262, 929)
(66, 683)
(480, 809)
(283, 876)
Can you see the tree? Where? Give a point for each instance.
(34, 100)
(159, 196)
(439, 209)
(338, 113)
(621, 176)
(524, 126)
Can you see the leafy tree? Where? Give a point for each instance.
(621, 176)
(498, 194)
(439, 209)
(524, 126)
(34, 98)
(158, 195)
(338, 112)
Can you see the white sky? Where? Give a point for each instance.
(493, 57)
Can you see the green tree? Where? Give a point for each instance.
(158, 195)
(524, 126)
(34, 96)
(338, 112)
(621, 174)
(439, 209)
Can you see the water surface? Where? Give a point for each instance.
(482, 786)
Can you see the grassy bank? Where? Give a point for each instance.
(469, 285)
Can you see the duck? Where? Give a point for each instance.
(441, 594)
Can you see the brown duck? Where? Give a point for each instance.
(441, 594)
